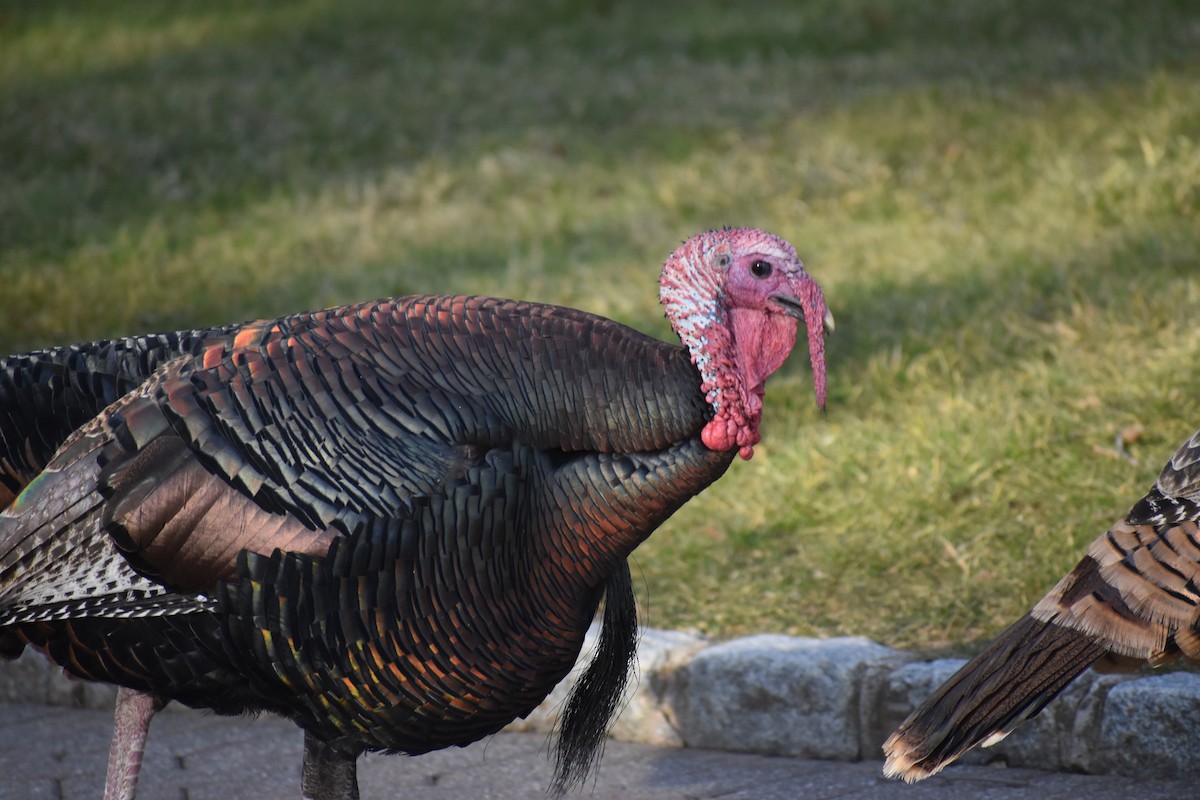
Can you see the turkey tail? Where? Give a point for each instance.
(593, 702)
(1134, 595)
(1009, 682)
(47, 394)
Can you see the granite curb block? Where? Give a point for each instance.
(835, 699)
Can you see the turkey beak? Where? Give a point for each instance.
(795, 308)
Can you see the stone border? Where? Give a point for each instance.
(840, 698)
(832, 699)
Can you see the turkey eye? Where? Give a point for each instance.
(760, 269)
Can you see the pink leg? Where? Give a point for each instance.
(130, 724)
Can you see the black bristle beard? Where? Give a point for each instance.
(589, 713)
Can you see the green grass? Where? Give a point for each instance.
(1002, 200)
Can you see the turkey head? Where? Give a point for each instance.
(734, 297)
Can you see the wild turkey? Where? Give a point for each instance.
(1133, 596)
(390, 522)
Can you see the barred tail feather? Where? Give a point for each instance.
(1009, 682)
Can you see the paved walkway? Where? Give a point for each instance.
(59, 754)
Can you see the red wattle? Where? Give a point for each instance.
(719, 434)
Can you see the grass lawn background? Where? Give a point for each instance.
(1001, 199)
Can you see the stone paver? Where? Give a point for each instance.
(59, 754)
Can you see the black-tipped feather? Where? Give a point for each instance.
(1009, 682)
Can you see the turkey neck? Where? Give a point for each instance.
(602, 506)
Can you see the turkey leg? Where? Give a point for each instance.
(327, 775)
(131, 721)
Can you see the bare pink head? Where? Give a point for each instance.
(735, 296)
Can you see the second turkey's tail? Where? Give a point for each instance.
(1009, 682)
(1133, 595)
